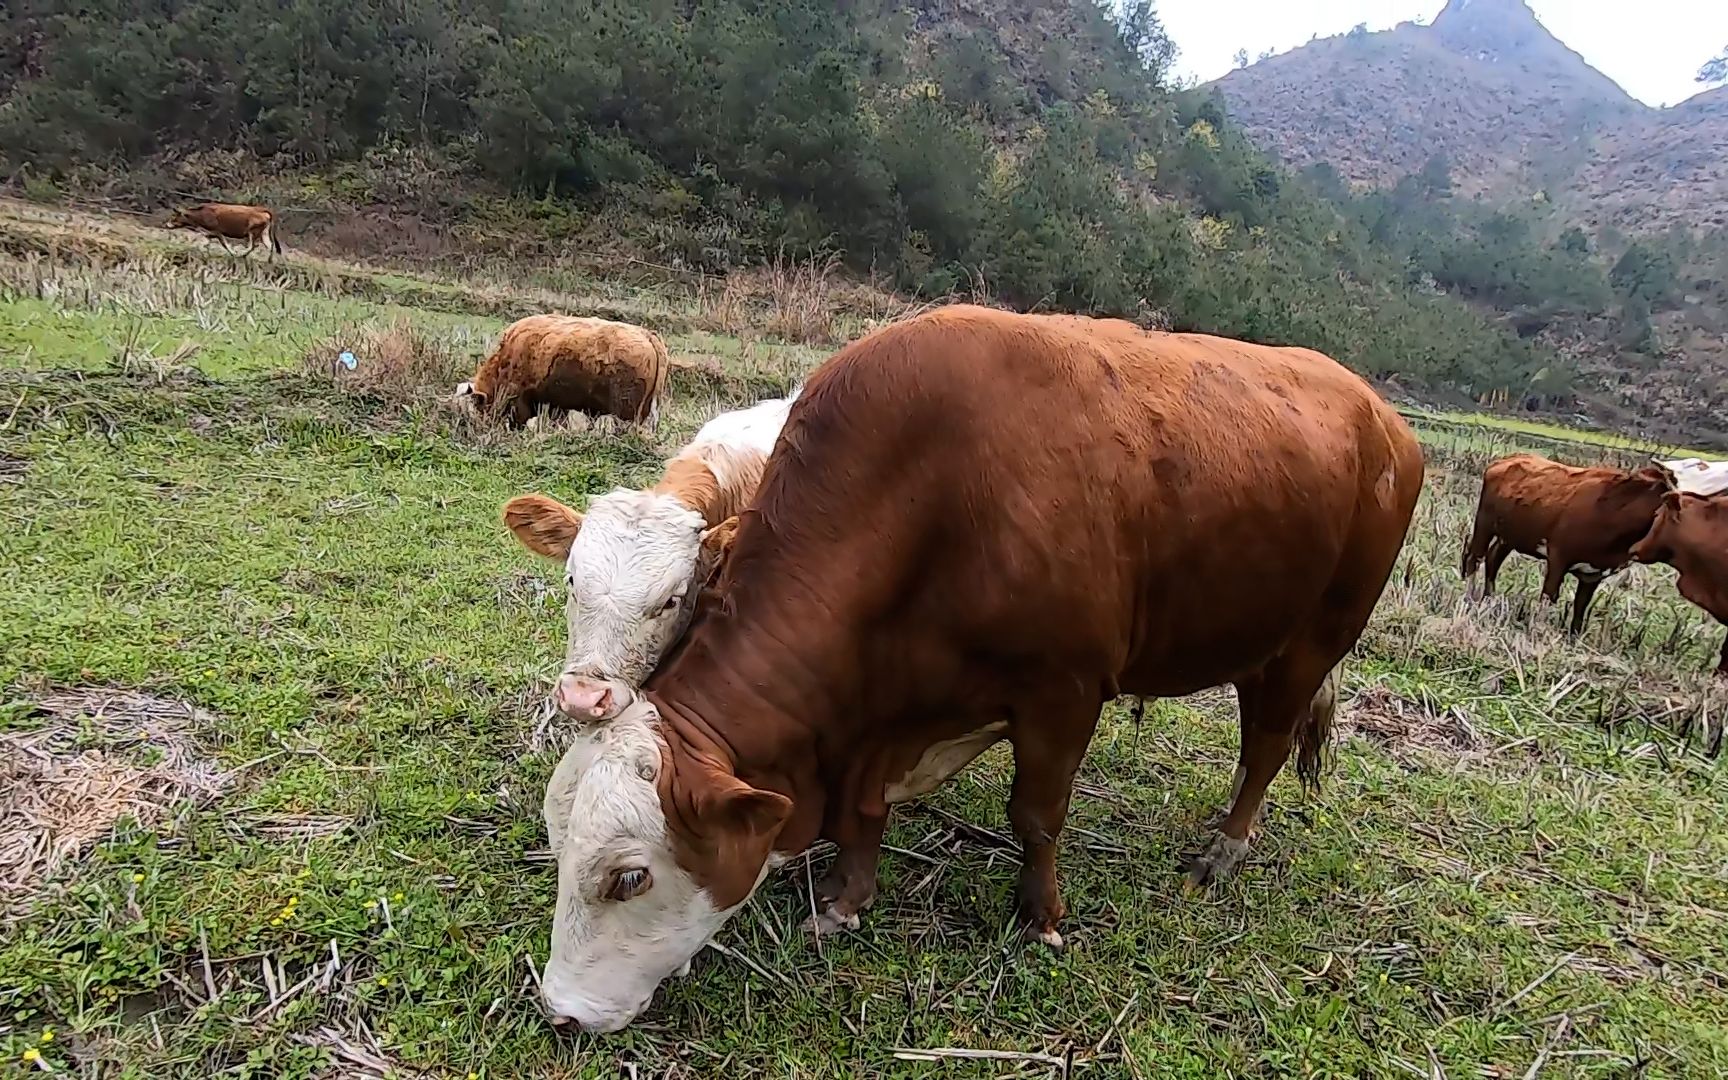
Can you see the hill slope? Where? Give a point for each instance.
(1489, 98)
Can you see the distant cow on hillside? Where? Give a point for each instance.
(1691, 535)
(1583, 521)
(568, 363)
(230, 221)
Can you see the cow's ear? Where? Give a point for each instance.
(740, 824)
(544, 525)
(716, 545)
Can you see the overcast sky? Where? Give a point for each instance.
(1653, 48)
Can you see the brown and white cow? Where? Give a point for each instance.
(569, 363)
(230, 221)
(635, 562)
(1583, 521)
(1691, 535)
(978, 526)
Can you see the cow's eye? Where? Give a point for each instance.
(671, 604)
(628, 884)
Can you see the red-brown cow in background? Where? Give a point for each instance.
(1583, 521)
(1691, 535)
(567, 363)
(230, 221)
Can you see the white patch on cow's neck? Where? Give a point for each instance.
(636, 552)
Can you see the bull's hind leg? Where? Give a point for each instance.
(1296, 693)
(1497, 551)
(1048, 748)
(1581, 597)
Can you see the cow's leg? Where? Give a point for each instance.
(1722, 667)
(1554, 577)
(849, 887)
(1049, 745)
(1298, 688)
(1498, 549)
(223, 240)
(1587, 586)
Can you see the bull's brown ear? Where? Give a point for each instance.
(739, 825)
(544, 525)
(716, 545)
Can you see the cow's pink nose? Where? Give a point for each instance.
(584, 699)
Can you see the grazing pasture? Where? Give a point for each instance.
(224, 553)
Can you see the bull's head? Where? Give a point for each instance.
(633, 566)
(656, 848)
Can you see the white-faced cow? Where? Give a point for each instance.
(634, 563)
(978, 526)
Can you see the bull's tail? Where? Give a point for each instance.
(1481, 536)
(1314, 732)
(270, 231)
(656, 384)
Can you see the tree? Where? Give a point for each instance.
(1714, 71)
(1241, 58)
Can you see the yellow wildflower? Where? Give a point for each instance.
(32, 1054)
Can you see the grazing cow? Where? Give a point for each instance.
(229, 221)
(566, 363)
(1691, 535)
(978, 526)
(1583, 521)
(636, 561)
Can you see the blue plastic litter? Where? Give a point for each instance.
(347, 360)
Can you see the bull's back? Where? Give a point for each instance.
(1083, 494)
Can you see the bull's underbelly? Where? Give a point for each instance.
(941, 761)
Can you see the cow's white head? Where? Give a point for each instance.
(468, 400)
(655, 851)
(633, 565)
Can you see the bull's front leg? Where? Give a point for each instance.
(849, 887)
(1047, 754)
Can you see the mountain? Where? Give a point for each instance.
(1526, 127)
(1486, 87)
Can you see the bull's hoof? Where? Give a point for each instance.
(1045, 935)
(829, 921)
(1220, 860)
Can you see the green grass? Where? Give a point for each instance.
(1537, 839)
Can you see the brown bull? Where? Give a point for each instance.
(228, 221)
(979, 526)
(1582, 521)
(1691, 535)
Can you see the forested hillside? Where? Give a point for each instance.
(1033, 151)
(1543, 153)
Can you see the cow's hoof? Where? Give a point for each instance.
(1220, 860)
(1047, 935)
(829, 921)
(683, 969)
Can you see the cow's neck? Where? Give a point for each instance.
(712, 479)
(741, 709)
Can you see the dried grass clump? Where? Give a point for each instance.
(103, 755)
(1404, 727)
(397, 362)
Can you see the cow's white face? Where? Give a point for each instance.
(629, 915)
(632, 567)
(468, 400)
(631, 576)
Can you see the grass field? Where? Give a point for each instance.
(1518, 868)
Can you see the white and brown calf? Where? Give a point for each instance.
(634, 562)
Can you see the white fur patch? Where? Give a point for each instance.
(604, 813)
(631, 579)
(941, 761)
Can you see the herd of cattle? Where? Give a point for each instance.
(969, 527)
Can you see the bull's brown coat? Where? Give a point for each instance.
(231, 221)
(1691, 535)
(975, 518)
(1582, 521)
(566, 362)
